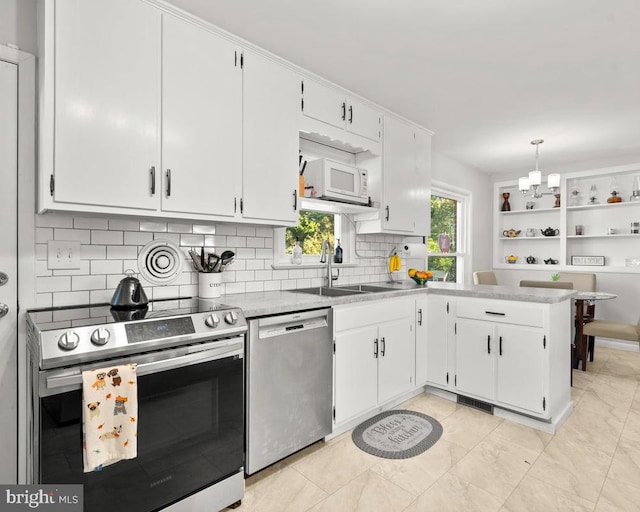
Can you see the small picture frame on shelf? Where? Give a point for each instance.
(587, 260)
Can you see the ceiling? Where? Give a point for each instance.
(486, 76)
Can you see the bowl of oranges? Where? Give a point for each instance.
(420, 276)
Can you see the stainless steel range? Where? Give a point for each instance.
(190, 374)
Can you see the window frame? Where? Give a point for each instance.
(343, 230)
(463, 226)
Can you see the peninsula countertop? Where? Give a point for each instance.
(256, 304)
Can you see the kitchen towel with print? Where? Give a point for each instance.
(110, 415)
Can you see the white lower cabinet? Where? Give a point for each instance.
(509, 364)
(374, 355)
(440, 356)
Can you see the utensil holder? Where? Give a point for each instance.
(209, 284)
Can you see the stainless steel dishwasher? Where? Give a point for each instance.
(289, 364)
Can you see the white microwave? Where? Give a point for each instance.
(336, 181)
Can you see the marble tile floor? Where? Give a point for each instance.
(481, 462)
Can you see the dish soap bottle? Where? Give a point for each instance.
(338, 256)
(296, 253)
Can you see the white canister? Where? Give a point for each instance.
(209, 284)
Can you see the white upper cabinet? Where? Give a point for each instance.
(270, 141)
(404, 192)
(107, 98)
(201, 121)
(331, 106)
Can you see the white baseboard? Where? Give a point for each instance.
(629, 346)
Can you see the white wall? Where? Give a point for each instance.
(18, 24)
(627, 286)
(452, 172)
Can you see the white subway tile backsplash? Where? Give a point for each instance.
(265, 254)
(111, 246)
(271, 286)
(137, 238)
(204, 229)
(106, 267)
(53, 284)
(54, 220)
(183, 227)
(90, 223)
(153, 226)
(85, 269)
(169, 237)
(191, 240)
(121, 252)
(93, 252)
(81, 235)
(236, 241)
(245, 253)
(231, 288)
(70, 298)
(226, 229)
(107, 237)
(265, 232)
(119, 224)
(255, 242)
(215, 241)
(43, 235)
(88, 282)
(255, 286)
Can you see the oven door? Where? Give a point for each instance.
(190, 431)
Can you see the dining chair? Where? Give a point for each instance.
(484, 277)
(546, 284)
(615, 330)
(583, 282)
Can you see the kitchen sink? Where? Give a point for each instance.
(364, 288)
(328, 292)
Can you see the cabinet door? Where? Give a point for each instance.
(475, 358)
(363, 120)
(324, 104)
(270, 141)
(521, 368)
(422, 335)
(356, 373)
(399, 169)
(438, 341)
(202, 120)
(107, 99)
(396, 364)
(422, 180)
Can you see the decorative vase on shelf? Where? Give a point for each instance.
(575, 194)
(506, 207)
(635, 194)
(615, 195)
(593, 195)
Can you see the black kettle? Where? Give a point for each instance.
(129, 293)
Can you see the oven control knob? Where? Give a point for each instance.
(231, 317)
(68, 340)
(212, 321)
(100, 336)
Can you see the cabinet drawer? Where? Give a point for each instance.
(372, 313)
(502, 311)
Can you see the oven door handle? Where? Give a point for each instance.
(171, 359)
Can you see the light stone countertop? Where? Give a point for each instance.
(279, 302)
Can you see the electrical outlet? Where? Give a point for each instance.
(63, 254)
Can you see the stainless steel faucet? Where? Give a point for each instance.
(324, 251)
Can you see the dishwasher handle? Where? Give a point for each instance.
(289, 324)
